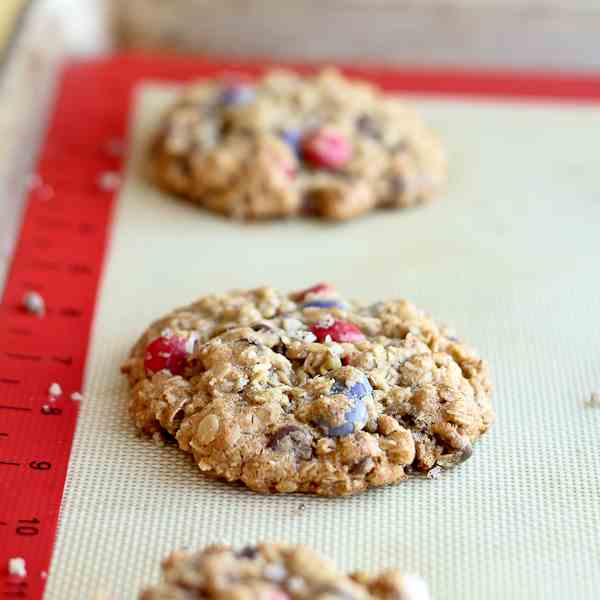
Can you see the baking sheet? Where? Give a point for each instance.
(509, 256)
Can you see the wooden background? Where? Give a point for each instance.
(559, 34)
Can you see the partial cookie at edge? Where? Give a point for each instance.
(274, 572)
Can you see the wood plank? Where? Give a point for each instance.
(546, 33)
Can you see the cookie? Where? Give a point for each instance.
(289, 145)
(309, 392)
(274, 572)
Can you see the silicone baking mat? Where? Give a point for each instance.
(509, 256)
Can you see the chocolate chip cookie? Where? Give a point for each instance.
(309, 392)
(289, 145)
(274, 572)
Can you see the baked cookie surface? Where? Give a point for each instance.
(274, 572)
(309, 392)
(289, 145)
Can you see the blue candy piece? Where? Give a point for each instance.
(324, 304)
(356, 418)
(292, 137)
(237, 94)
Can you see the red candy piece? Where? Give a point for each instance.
(320, 288)
(326, 149)
(166, 353)
(340, 331)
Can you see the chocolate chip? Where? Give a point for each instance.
(249, 552)
(169, 438)
(362, 467)
(262, 326)
(309, 204)
(293, 439)
(367, 125)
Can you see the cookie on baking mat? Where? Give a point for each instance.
(289, 145)
(309, 392)
(274, 572)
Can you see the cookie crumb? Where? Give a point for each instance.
(414, 587)
(55, 390)
(594, 400)
(46, 409)
(17, 567)
(109, 181)
(33, 181)
(34, 303)
(76, 396)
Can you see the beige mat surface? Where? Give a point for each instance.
(510, 257)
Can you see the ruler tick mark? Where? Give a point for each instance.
(70, 312)
(2, 434)
(44, 265)
(8, 407)
(63, 360)
(9, 463)
(17, 331)
(78, 269)
(19, 356)
(10, 381)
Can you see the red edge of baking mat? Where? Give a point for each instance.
(60, 254)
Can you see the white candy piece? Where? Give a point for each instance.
(55, 390)
(34, 303)
(77, 396)
(594, 401)
(414, 587)
(17, 567)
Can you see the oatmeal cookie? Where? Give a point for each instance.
(274, 572)
(309, 392)
(290, 145)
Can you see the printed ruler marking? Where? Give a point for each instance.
(59, 254)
